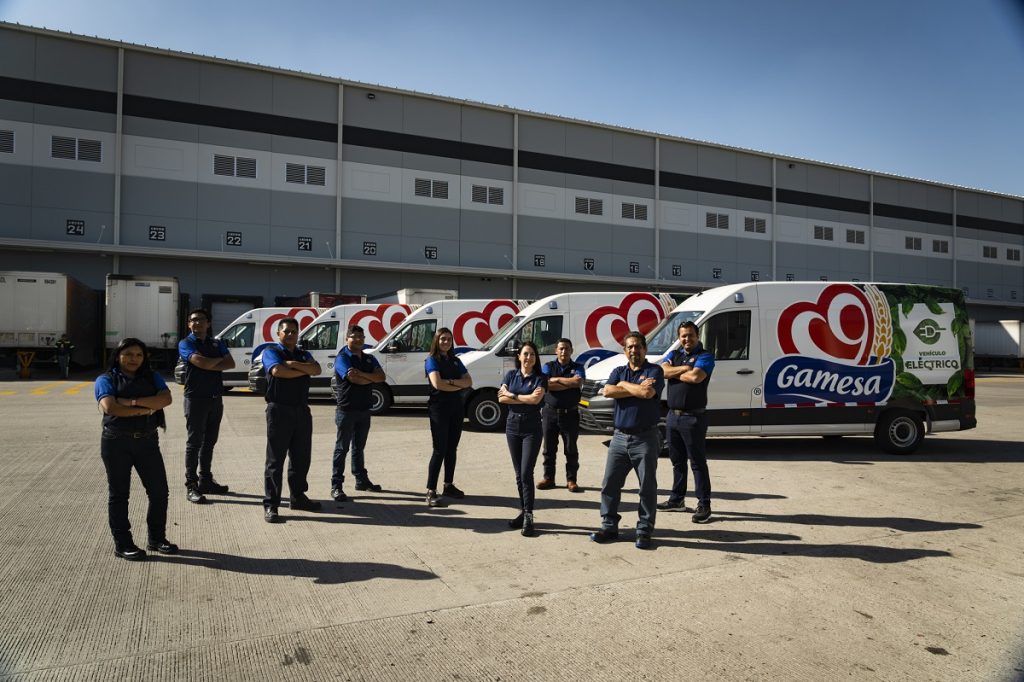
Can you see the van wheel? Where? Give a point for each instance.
(899, 432)
(486, 413)
(380, 399)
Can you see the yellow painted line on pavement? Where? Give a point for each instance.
(77, 387)
(8, 393)
(45, 388)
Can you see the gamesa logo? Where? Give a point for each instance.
(928, 331)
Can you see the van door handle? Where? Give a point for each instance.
(332, 356)
(249, 353)
(744, 371)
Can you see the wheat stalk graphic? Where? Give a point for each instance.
(881, 345)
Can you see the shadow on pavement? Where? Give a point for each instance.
(322, 572)
(861, 450)
(904, 524)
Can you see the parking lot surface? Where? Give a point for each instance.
(825, 559)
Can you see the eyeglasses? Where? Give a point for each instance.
(197, 319)
(290, 331)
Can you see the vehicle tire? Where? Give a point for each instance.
(899, 432)
(380, 399)
(486, 413)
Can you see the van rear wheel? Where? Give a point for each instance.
(899, 432)
(485, 412)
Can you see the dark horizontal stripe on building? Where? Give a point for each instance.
(697, 183)
(1005, 226)
(918, 214)
(222, 117)
(593, 169)
(431, 146)
(790, 196)
(52, 94)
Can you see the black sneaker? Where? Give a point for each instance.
(130, 552)
(702, 515)
(162, 546)
(193, 495)
(451, 491)
(643, 541)
(211, 487)
(604, 535)
(337, 494)
(669, 505)
(270, 515)
(304, 504)
(368, 485)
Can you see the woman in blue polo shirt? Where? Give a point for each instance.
(448, 379)
(132, 397)
(523, 390)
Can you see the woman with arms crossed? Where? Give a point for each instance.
(448, 378)
(522, 390)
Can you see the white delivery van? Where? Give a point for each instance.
(325, 336)
(402, 352)
(823, 358)
(249, 331)
(595, 322)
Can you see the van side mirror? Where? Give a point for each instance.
(513, 346)
(392, 347)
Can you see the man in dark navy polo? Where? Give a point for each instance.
(205, 359)
(289, 422)
(636, 388)
(561, 415)
(355, 371)
(688, 370)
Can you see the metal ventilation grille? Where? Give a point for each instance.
(6, 141)
(245, 168)
(823, 232)
(596, 207)
(479, 194)
(855, 236)
(1013, 254)
(422, 187)
(755, 225)
(89, 150)
(913, 243)
(495, 195)
(582, 205)
(316, 175)
(223, 165)
(641, 211)
(711, 220)
(940, 246)
(628, 210)
(62, 147)
(295, 173)
(440, 189)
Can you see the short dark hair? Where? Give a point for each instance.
(635, 335)
(201, 311)
(435, 346)
(565, 341)
(287, 320)
(354, 329)
(536, 365)
(687, 325)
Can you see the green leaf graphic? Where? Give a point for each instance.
(955, 383)
(934, 307)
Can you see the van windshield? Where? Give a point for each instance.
(667, 333)
(498, 340)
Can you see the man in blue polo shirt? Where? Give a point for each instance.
(355, 372)
(561, 415)
(636, 388)
(289, 422)
(688, 370)
(205, 359)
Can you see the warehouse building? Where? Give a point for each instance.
(249, 181)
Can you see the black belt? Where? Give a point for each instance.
(115, 433)
(560, 410)
(683, 413)
(637, 432)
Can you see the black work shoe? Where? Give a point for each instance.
(368, 485)
(304, 504)
(337, 494)
(193, 495)
(604, 535)
(643, 541)
(432, 500)
(669, 505)
(270, 515)
(130, 552)
(527, 524)
(451, 491)
(517, 522)
(162, 546)
(211, 487)
(702, 515)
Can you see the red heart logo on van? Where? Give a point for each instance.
(303, 315)
(380, 321)
(608, 325)
(839, 325)
(474, 328)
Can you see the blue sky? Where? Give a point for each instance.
(924, 88)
